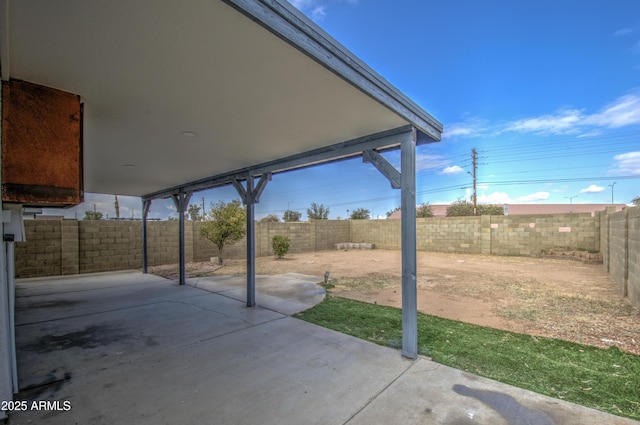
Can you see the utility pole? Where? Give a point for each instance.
(611, 185)
(570, 198)
(474, 159)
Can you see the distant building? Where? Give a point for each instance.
(524, 209)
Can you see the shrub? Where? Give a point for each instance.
(280, 245)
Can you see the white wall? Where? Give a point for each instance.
(6, 390)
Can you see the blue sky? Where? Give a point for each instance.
(548, 92)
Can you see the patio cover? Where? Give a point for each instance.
(184, 96)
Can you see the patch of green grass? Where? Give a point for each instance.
(606, 380)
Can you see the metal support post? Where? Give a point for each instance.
(146, 205)
(408, 230)
(181, 201)
(405, 180)
(251, 250)
(251, 196)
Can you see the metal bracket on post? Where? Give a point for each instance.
(181, 201)
(251, 196)
(384, 166)
(146, 205)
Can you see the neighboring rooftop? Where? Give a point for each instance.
(440, 210)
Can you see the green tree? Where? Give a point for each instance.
(317, 212)
(194, 212)
(280, 245)
(463, 207)
(92, 215)
(392, 211)
(227, 225)
(271, 218)
(460, 208)
(360, 214)
(490, 210)
(636, 201)
(424, 210)
(290, 216)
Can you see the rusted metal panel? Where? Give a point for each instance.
(41, 145)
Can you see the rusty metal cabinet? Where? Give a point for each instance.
(41, 145)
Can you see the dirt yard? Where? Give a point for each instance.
(557, 298)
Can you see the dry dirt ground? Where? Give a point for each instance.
(557, 298)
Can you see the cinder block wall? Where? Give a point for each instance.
(618, 254)
(324, 234)
(298, 233)
(69, 247)
(116, 245)
(72, 246)
(41, 255)
(162, 242)
(384, 233)
(620, 242)
(304, 236)
(108, 245)
(454, 234)
(526, 235)
(633, 259)
(530, 235)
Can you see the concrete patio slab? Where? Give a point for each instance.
(430, 393)
(289, 294)
(153, 352)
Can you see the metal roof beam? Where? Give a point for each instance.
(386, 140)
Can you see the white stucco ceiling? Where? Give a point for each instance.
(149, 70)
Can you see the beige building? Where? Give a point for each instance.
(440, 210)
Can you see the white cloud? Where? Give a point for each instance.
(319, 13)
(622, 112)
(316, 9)
(301, 4)
(595, 133)
(454, 130)
(628, 163)
(430, 162)
(623, 31)
(592, 189)
(538, 196)
(495, 198)
(563, 122)
(469, 128)
(454, 169)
